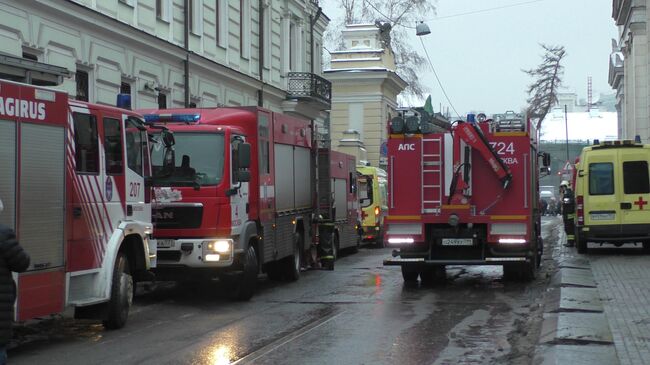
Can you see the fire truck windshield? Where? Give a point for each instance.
(199, 160)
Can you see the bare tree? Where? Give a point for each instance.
(547, 81)
(395, 18)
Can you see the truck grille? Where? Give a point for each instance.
(172, 217)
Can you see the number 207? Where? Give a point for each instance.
(134, 190)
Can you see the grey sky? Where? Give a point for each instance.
(479, 57)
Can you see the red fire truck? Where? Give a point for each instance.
(251, 191)
(465, 195)
(72, 179)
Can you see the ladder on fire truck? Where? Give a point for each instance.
(432, 184)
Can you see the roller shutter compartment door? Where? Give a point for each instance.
(42, 194)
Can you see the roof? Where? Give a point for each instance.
(582, 126)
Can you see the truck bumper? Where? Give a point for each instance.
(616, 233)
(424, 262)
(369, 233)
(192, 253)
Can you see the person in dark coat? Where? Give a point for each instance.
(12, 258)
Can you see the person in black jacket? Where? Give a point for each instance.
(12, 258)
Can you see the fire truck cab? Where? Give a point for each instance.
(464, 195)
(73, 182)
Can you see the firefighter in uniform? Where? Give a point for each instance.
(568, 212)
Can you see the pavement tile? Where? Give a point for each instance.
(571, 328)
(580, 299)
(576, 355)
(574, 277)
(624, 285)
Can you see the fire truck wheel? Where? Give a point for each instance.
(410, 274)
(244, 284)
(292, 263)
(121, 294)
(433, 275)
(529, 269)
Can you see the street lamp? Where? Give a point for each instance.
(422, 29)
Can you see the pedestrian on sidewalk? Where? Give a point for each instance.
(12, 258)
(568, 212)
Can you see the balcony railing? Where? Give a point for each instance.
(308, 85)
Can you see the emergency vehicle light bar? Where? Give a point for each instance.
(175, 118)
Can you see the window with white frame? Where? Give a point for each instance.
(163, 10)
(245, 28)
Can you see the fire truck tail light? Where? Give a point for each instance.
(396, 241)
(580, 210)
(512, 240)
(377, 210)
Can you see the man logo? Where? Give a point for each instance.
(406, 147)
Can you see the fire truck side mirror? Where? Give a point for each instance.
(546, 159)
(168, 138)
(244, 156)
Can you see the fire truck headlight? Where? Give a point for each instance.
(412, 125)
(426, 128)
(400, 240)
(212, 257)
(397, 125)
(217, 246)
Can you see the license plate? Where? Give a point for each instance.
(165, 243)
(457, 242)
(601, 216)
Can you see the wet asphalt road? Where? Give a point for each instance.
(361, 313)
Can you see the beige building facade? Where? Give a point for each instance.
(628, 68)
(364, 92)
(225, 52)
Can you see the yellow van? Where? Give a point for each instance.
(612, 191)
(373, 196)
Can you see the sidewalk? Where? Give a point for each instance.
(623, 279)
(598, 309)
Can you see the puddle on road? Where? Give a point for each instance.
(477, 339)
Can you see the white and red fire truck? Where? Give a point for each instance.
(243, 196)
(72, 179)
(467, 195)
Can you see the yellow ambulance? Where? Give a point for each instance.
(612, 191)
(373, 196)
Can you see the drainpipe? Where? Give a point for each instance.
(260, 92)
(186, 63)
(312, 22)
